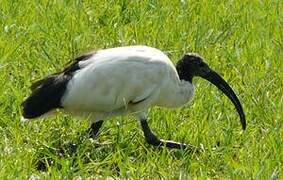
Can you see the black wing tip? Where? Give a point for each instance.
(46, 95)
(29, 110)
(47, 80)
(47, 92)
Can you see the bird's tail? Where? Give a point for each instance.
(46, 95)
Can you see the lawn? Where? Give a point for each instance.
(242, 40)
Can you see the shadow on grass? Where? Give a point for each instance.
(81, 148)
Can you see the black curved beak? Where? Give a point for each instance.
(219, 82)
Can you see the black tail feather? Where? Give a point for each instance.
(46, 95)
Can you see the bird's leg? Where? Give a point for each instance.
(94, 128)
(149, 136)
(153, 140)
(71, 148)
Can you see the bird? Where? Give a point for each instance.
(120, 81)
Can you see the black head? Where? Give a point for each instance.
(192, 65)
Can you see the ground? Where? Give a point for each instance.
(242, 40)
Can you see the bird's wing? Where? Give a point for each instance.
(70, 68)
(110, 80)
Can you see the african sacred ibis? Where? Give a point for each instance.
(120, 81)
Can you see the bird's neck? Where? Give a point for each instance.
(183, 73)
(185, 92)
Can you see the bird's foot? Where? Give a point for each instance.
(152, 139)
(94, 129)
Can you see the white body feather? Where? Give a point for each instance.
(125, 80)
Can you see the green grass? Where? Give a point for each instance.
(243, 40)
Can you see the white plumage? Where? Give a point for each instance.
(125, 80)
